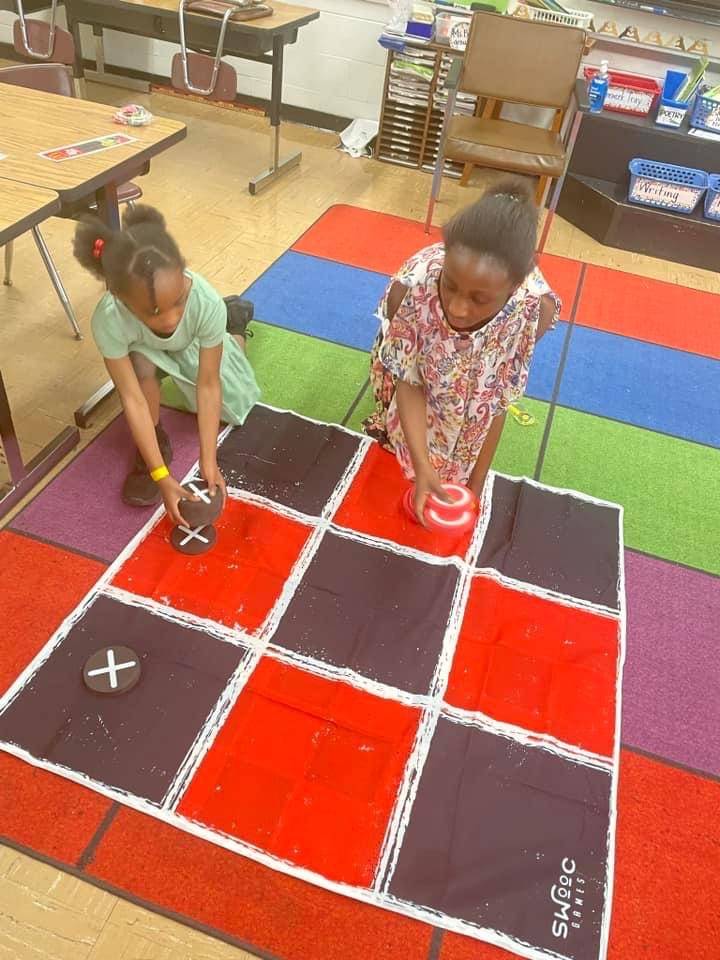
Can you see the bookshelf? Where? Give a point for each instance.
(413, 108)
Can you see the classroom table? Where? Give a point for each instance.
(32, 122)
(29, 6)
(22, 207)
(263, 40)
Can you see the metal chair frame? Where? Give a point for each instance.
(36, 54)
(231, 10)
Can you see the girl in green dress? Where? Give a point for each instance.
(160, 318)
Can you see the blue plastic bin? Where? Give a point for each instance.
(666, 185)
(712, 197)
(706, 114)
(671, 112)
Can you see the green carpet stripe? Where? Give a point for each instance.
(519, 445)
(559, 375)
(362, 409)
(666, 485)
(357, 402)
(304, 374)
(296, 372)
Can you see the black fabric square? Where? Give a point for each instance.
(285, 458)
(555, 541)
(378, 613)
(510, 837)
(134, 741)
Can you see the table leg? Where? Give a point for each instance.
(84, 413)
(110, 79)
(23, 477)
(74, 28)
(109, 211)
(277, 167)
(108, 208)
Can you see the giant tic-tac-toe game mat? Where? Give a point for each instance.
(428, 725)
(624, 395)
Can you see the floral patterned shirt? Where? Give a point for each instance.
(468, 378)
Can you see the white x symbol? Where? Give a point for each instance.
(112, 669)
(192, 535)
(203, 494)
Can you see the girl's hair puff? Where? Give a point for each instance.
(501, 225)
(141, 248)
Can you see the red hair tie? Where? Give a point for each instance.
(98, 248)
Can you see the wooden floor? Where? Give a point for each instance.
(229, 237)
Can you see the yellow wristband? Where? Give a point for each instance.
(159, 473)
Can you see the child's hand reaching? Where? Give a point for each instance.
(210, 472)
(427, 481)
(172, 493)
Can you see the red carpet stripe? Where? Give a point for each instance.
(364, 238)
(381, 242)
(246, 900)
(662, 313)
(42, 584)
(45, 812)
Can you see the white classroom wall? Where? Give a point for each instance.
(337, 65)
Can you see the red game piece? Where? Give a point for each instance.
(457, 516)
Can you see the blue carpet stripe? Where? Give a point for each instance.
(643, 384)
(320, 298)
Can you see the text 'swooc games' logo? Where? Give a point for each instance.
(568, 896)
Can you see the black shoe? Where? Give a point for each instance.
(166, 451)
(140, 490)
(239, 316)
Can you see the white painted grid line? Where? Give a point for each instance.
(560, 599)
(540, 741)
(236, 636)
(255, 499)
(409, 785)
(612, 827)
(392, 546)
(207, 736)
(329, 671)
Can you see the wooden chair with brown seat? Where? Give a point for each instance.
(53, 78)
(512, 61)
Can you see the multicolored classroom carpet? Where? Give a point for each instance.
(624, 398)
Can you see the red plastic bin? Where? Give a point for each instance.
(628, 92)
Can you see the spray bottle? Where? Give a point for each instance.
(599, 88)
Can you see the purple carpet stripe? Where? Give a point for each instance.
(672, 663)
(81, 509)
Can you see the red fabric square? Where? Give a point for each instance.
(364, 238)
(324, 758)
(373, 505)
(271, 913)
(563, 275)
(519, 682)
(236, 583)
(41, 586)
(47, 813)
(541, 665)
(652, 310)
(665, 891)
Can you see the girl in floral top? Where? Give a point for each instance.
(459, 324)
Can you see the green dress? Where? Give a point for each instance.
(118, 332)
